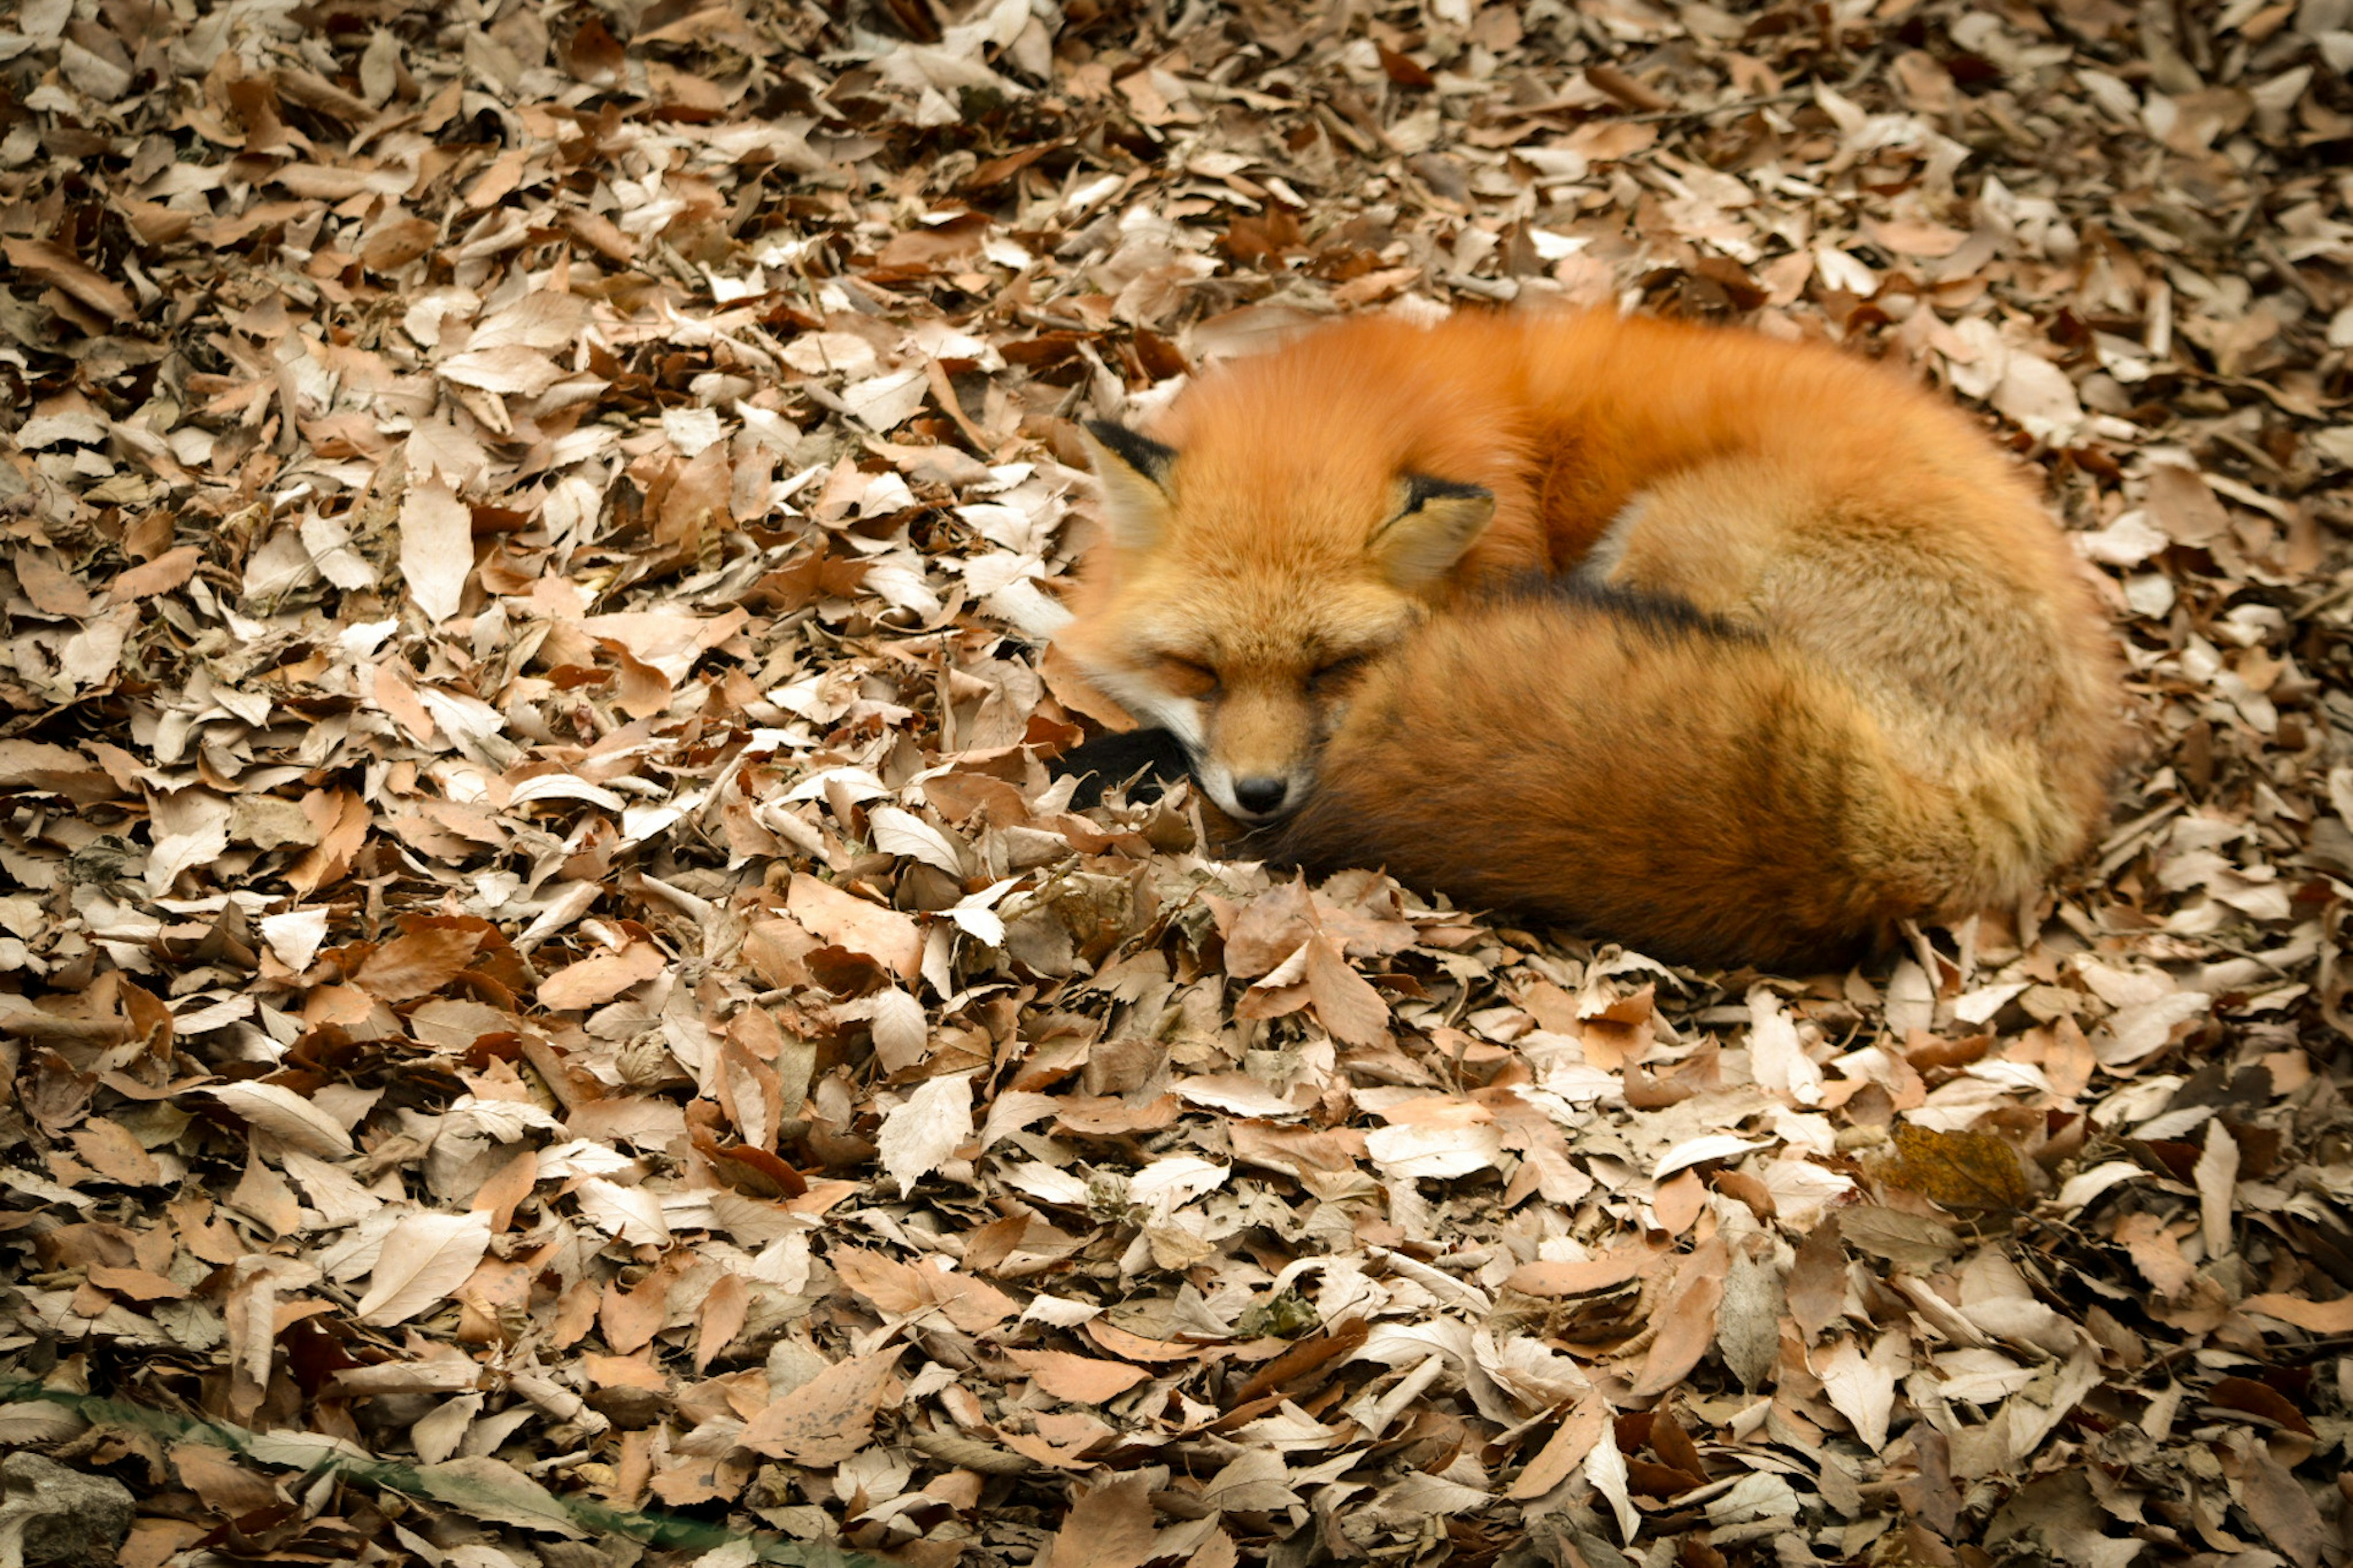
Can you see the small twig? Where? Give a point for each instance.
(27, 1023)
(970, 1454)
(2235, 951)
(1626, 90)
(2284, 271)
(1853, 79)
(2326, 599)
(1737, 106)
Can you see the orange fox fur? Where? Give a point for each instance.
(1731, 649)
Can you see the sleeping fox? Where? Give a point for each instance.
(1731, 649)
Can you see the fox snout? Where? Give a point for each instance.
(1252, 797)
(1262, 794)
(1259, 759)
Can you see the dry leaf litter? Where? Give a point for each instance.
(545, 972)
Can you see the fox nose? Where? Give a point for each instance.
(1261, 795)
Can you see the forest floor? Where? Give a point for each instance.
(552, 1014)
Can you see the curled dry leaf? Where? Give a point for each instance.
(417, 964)
(286, 1116)
(827, 1419)
(1566, 1450)
(1687, 1318)
(602, 977)
(1080, 1380)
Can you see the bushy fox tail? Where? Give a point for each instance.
(1629, 766)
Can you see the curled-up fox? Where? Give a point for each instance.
(1731, 649)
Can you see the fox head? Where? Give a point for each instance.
(1247, 588)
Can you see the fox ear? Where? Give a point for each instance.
(1133, 470)
(1436, 521)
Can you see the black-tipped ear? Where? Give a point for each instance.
(1133, 472)
(1145, 455)
(1436, 521)
(1421, 489)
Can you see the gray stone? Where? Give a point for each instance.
(50, 1514)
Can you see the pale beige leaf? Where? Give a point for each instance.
(437, 547)
(286, 1115)
(1605, 1466)
(902, 1032)
(1776, 1057)
(898, 831)
(1862, 1388)
(423, 1261)
(2217, 1175)
(436, 1436)
(2038, 395)
(1700, 1150)
(2281, 1506)
(508, 368)
(632, 1215)
(1345, 1000)
(294, 937)
(190, 828)
(262, 1195)
(1436, 1152)
(1748, 1320)
(918, 1136)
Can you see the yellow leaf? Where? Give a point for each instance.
(1956, 1170)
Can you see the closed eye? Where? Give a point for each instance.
(1335, 672)
(1185, 676)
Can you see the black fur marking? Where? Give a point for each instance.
(1145, 455)
(1155, 756)
(1421, 490)
(1661, 615)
